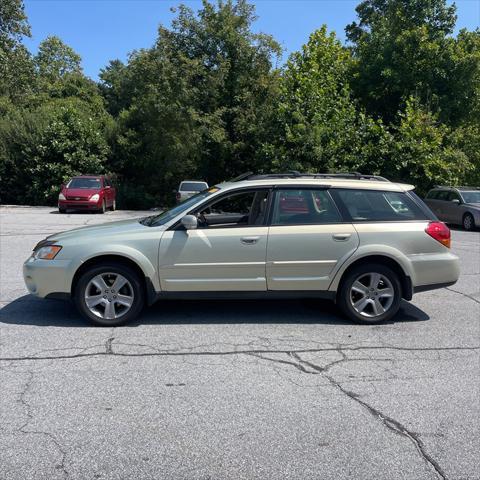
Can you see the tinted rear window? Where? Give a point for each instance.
(193, 186)
(378, 206)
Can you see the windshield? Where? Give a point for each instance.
(84, 183)
(163, 218)
(471, 197)
(193, 186)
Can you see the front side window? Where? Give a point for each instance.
(304, 207)
(247, 208)
(471, 197)
(377, 206)
(183, 207)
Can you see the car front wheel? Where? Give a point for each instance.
(370, 293)
(468, 222)
(109, 294)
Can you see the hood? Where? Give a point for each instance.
(80, 192)
(104, 229)
(472, 205)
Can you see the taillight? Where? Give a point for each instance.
(440, 232)
(178, 196)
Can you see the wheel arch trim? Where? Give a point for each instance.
(391, 254)
(123, 253)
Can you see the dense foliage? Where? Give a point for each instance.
(210, 100)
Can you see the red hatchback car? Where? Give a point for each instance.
(87, 192)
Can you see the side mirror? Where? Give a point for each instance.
(190, 222)
(456, 201)
(107, 187)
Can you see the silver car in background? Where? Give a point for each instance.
(189, 188)
(456, 205)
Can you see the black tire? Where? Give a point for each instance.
(344, 294)
(62, 210)
(468, 222)
(110, 267)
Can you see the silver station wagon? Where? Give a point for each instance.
(359, 240)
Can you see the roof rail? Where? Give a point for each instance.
(243, 176)
(457, 187)
(296, 174)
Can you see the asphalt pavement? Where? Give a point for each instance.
(235, 390)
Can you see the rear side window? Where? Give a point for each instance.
(442, 195)
(193, 186)
(304, 207)
(378, 206)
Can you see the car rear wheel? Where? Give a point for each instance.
(370, 293)
(468, 222)
(109, 294)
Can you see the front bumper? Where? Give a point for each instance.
(79, 205)
(45, 277)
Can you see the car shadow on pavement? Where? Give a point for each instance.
(29, 310)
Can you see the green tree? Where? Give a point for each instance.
(16, 67)
(423, 151)
(43, 147)
(55, 59)
(319, 127)
(404, 48)
(199, 103)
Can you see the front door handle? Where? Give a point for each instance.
(341, 237)
(249, 240)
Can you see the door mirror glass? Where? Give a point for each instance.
(190, 222)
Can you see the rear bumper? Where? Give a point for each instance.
(433, 286)
(433, 271)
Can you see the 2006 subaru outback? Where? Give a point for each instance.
(359, 240)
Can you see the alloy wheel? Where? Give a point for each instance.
(468, 222)
(109, 296)
(371, 294)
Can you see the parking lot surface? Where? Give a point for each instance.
(235, 390)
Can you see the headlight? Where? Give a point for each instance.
(47, 253)
(61, 196)
(94, 198)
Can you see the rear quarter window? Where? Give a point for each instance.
(381, 206)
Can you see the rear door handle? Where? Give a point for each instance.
(341, 237)
(249, 240)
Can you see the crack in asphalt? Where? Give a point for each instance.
(23, 429)
(466, 295)
(394, 425)
(172, 353)
(108, 346)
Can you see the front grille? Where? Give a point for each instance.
(71, 197)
